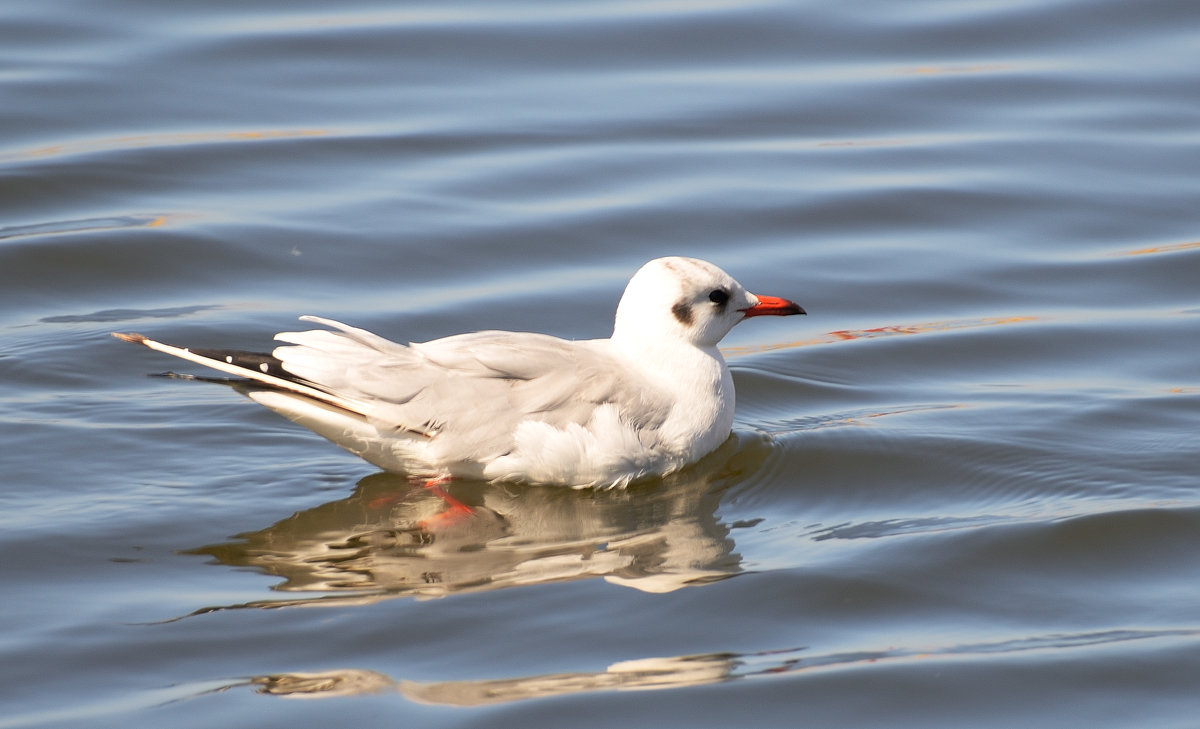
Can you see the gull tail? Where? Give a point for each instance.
(261, 368)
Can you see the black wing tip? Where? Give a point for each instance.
(267, 364)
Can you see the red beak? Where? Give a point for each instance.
(773, 306)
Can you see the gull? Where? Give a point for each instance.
(502, 406)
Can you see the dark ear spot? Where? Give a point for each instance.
(682, 312)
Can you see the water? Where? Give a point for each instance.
(963, 491)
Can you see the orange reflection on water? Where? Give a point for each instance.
(886, 331)
(1171, 248)
(165, 140)
(87, 225)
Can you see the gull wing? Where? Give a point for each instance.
(469, 392)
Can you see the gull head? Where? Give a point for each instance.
(688, 299)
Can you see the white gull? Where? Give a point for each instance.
(513, 406)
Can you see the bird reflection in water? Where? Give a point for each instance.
(377, 544)
(642, 674)
(678, 671)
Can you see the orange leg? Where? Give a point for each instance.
(455, 510)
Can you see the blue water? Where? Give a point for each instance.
(964, 491)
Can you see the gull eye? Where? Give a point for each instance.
(720, 297)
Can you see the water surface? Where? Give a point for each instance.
(962, 491)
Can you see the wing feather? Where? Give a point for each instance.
(472, 390)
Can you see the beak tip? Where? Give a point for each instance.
(774, 306)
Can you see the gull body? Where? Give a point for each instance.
(651, 399)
